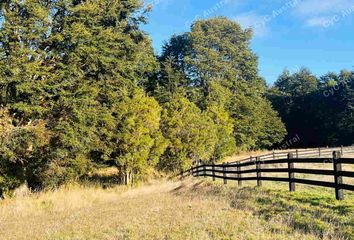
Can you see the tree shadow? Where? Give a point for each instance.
(106, 181)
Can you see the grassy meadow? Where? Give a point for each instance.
(188, 209)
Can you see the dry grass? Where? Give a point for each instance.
(192, 209)
(323, 166)
(245, 155)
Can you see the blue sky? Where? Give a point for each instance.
(318, 34)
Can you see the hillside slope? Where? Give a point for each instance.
(191, 209)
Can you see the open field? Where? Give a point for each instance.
(191, 209)
(245, 155)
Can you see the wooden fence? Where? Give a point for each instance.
(334, 157)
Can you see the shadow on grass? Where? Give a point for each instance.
(103, 181)
(308, 211)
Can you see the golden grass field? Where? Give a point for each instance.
(174, 209)
(189, 209)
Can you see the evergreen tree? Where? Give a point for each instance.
(68, 64)
(23, 58)
(220, 68)
(104, 56)
(191, 134)
(225, 145)
(319, 110)
(138, 142)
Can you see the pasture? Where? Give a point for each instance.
(188, 209)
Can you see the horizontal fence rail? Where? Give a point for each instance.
(304, 153)
(258, 166)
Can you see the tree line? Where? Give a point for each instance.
(81, 88)
(320, 110)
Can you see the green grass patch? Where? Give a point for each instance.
(308, 210)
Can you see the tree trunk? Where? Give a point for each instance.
(132, 178)
(123, 178)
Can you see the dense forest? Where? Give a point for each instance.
(81, 88)
(320, 111)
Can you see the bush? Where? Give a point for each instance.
(22, 152)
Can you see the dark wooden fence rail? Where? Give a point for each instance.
(262, 164)
(304, 153)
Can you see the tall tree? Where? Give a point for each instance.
(24, 33)
(191, 134)
(318, 110)
(68, 64)
(220, 67)
(138, 141)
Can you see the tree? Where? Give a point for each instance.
(176, 50)
(138, 142)
(225, 145)
(68, 64)
(220, 68)
(346, 117)
(170, 81)
(104, 59)
(191, 134)
(218, 98)
(256, 123)
(273, 129)
(299, 84)
(23, 69)
(220, 50)
(294, 97)
(319, 110)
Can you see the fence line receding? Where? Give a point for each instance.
(264, 164)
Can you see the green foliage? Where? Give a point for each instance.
(68, 64)
(72, 75)
(273, 129)
(23, 74)
(320, 111)
(171, 81)
(138, 141)
(220, 50)
(298, 84)
(22, 152)
(192, 135)
(226, 144)
(220, 69)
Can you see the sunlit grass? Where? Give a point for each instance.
(191, 209)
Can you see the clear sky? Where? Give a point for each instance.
(318, 34)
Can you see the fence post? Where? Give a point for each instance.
(273, 155)
(341, 150)
(204, 171)
(337, 166)
(259, 171)
(197, 170)
(291, 173)
(297, 153)
(224, 173)
(213, 171)
(239, 175)
(319, 152)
